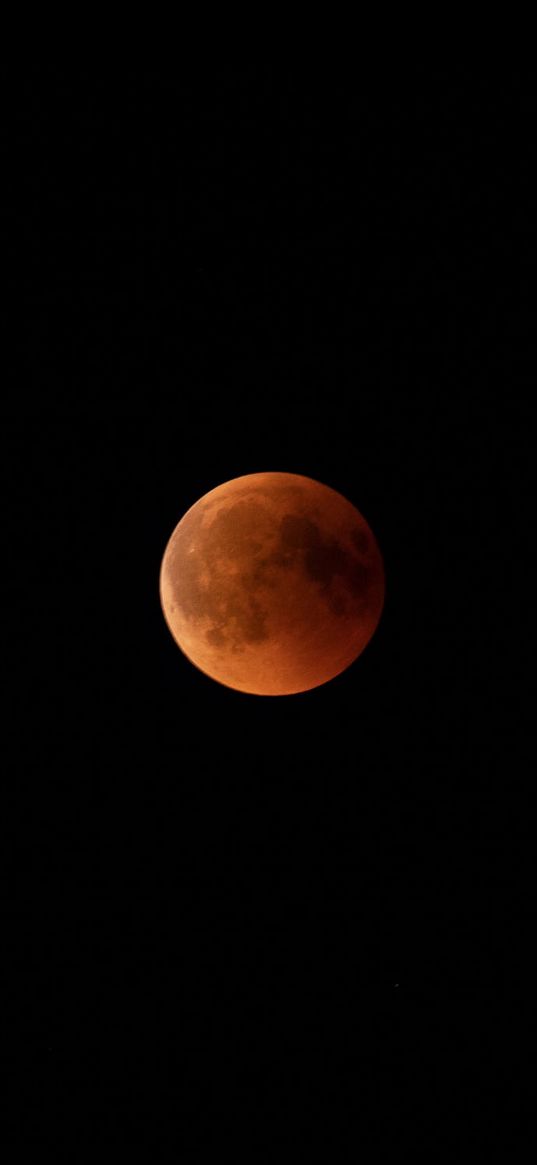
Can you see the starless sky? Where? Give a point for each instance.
(221, 279)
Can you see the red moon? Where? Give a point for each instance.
(272, 584)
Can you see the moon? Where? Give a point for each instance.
(272, 584)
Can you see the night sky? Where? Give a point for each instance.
(324, 277)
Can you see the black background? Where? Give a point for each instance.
(327, 277)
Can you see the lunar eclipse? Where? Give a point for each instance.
(272, 584)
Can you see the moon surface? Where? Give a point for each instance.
(272, 583)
